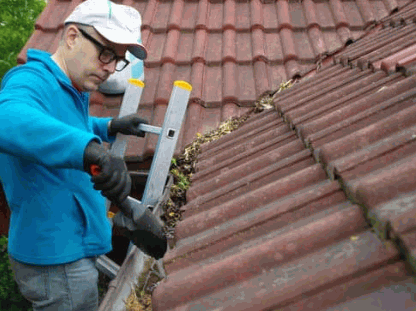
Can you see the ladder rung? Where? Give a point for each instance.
(150, 129)
(107, 266)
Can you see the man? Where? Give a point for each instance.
(48, 143)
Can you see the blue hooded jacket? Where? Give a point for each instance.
(56, 215)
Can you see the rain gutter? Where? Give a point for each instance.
(120, 288)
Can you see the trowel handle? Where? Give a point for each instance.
(139, 224)
(95, 169)
(127, 205)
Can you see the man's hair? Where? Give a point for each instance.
(78, 25)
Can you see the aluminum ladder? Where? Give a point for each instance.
(159, 170)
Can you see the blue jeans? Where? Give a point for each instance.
(66, 287)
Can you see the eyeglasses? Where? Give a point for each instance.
(107, 55)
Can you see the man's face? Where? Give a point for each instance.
(84, 66)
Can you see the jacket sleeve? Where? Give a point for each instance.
(28, 131)
(100, 128)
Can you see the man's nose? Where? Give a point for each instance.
(110, 67)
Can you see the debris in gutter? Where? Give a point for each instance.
(140, 298)
(182, 168)
(266, 100)
(138, 303)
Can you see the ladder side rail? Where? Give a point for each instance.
(166, 144)
(129, 105)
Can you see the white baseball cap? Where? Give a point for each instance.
(116, 22)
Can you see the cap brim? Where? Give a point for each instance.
(138, 51)
(128, 39)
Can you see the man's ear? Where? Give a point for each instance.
(71, 35)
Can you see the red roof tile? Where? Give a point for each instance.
(263, 225)
(274, 285)
(387, 288)
(231, 51)
(374, 156)
(254, 224)
(260, 196)
(394, 217)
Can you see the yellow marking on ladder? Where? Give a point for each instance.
(183, 85)
(136, 82)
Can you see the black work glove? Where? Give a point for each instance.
(143, 230)
(128, 125)
(114, 180)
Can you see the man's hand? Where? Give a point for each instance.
(114, 180)
(128, 125)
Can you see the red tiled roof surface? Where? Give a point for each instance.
(307, 207)
(230, 51)
(311, 206)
